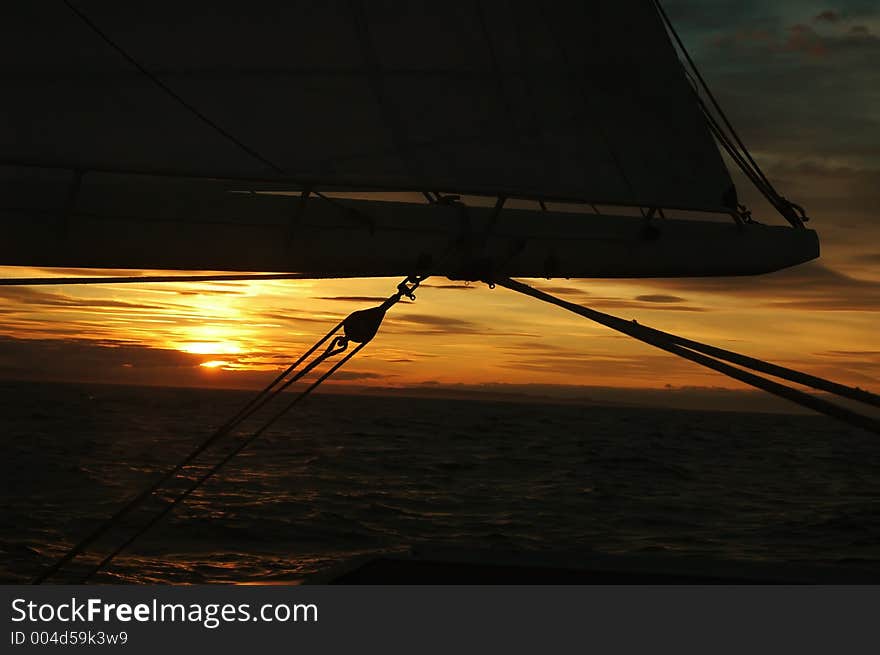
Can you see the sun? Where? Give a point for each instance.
(211, 348)
(214, 363)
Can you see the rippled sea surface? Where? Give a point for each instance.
(347, 475)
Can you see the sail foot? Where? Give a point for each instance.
(252, 232)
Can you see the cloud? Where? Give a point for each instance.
(850, 353)
(536, 347)
(563, 290)
(360, 375)
(797, 90)
(113, 362)
(797, 38)
(77, 358)
(429, 323)
(301, 317)
(449, 286)
(580, 365)
(812, 286)
(33, 297)
(612, 303)
(828, 16)
(92, 272)
(653, 302)
(356, 298)
(659, 298)
(200, 292)
(803, 38)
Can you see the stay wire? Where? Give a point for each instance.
(743, 158)
(792, 375)
(671, 27)
(687, 349)
(338, 345)
(220, 464)
(771, 196)
(247, 410)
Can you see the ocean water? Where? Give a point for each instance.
(347, 475)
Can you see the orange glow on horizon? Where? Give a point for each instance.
(454, 333)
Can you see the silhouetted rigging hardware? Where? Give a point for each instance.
(359, 327)
(711, 357)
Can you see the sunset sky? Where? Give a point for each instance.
(799, 80)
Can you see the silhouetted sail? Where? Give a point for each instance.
(568, 100)
(130, 130)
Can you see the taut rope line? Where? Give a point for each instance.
(712, 357)
(359, 327)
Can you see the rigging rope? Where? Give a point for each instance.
(732, 143)
(360, 327)
(335, 348)
(155, 80)
(253, 405)
(712, 357)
